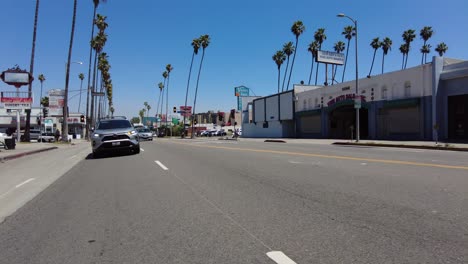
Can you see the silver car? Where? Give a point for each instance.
(114, 134)
(145, 134)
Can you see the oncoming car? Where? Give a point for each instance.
(114, 134)
(145, 134)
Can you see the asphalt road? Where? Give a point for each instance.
(205, 201)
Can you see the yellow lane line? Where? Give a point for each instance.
(399, 162)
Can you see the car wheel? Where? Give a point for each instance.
(136, 150)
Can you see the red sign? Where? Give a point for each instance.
(345, 97)
(16, 100)
(186, 111)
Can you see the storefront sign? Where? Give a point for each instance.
(345, 97)
(330, 57)
(56, 102)
(17, 106)
(239, 92)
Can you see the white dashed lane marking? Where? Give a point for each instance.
(280, 258)
(161, 165)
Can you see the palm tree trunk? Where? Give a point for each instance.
(383, 61)
(372, 65)
(318, 65)
(93, 89)
(334, 74)
(162, 103)
(403, 62)
(285, 74)
(279, 78)
(407, 55)
(88, 93)
(196, 87)
(311, 70)
(422, 57)
(188, 85)
(67, 78)
(79, 101)
(157, 106)
(292, 64)
(346, 60)
(31, 71)
(100, 99)
(167, 98)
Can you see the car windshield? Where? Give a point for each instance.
(144, 130)
(113, 124)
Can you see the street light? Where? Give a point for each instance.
(357, 97)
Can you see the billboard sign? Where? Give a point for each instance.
(330, 57)
(15, 102)
(56, 102)
(239, 92)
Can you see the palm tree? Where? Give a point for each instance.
(375, 44)
(169, 68)
(112, 110)
(161, 86)
(164, 74)
(142, 114)
(88, 93)
(313, 48)
(45, 101)
(348, 32)
(425, 33)
(386, 46)
(441, 48)
(196, 46)
(320, 37)
(81, 77)
(146, 107)
(425, 49)
(297, 29)
(404, 49)
(31, 71)
(339, 47)
(408, 37)
(288, 49)
(279, 58)
(67, 77)
(205, 42)
(97, 44)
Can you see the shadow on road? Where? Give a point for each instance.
(109, 155)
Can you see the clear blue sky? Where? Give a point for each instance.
(145, 35)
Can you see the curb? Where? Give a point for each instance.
(400, 146)
(19, 155)
(275, 141)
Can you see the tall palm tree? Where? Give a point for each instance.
(169, 68)
(279, 58)
(31, 71)
(375, 44)
(386, 46)
(41, 78)
(88, 93)
(164, 74)
(425, 49)
(67, 77)
(97, 44)
(196, 46)
(425, 33)
(339, 47)
(146, 107)
(348, 32)
(313, 48)
(441, 48)
(404, 49)
(288, 49)
(205, 42)
(408, 37)
(161, 87)
(320, 37)
(297, 29)
(81, 77)
(142, 114)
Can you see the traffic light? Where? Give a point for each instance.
(174, 109)
(45, 112)
(82, 118)
(195, 122)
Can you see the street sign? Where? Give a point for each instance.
(56, 102)
(98, 93)
(357, 103)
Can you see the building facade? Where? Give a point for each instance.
(426, 102)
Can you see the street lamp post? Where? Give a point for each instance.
(357, 97)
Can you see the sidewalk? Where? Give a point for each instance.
(24, 149)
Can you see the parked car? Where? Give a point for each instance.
(48, 137)
(221, 132)
(145, 134)
(114, 134)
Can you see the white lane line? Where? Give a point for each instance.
(294, 162)
(25, 182)
(142, 149)
(280, 258)
(161, 165)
